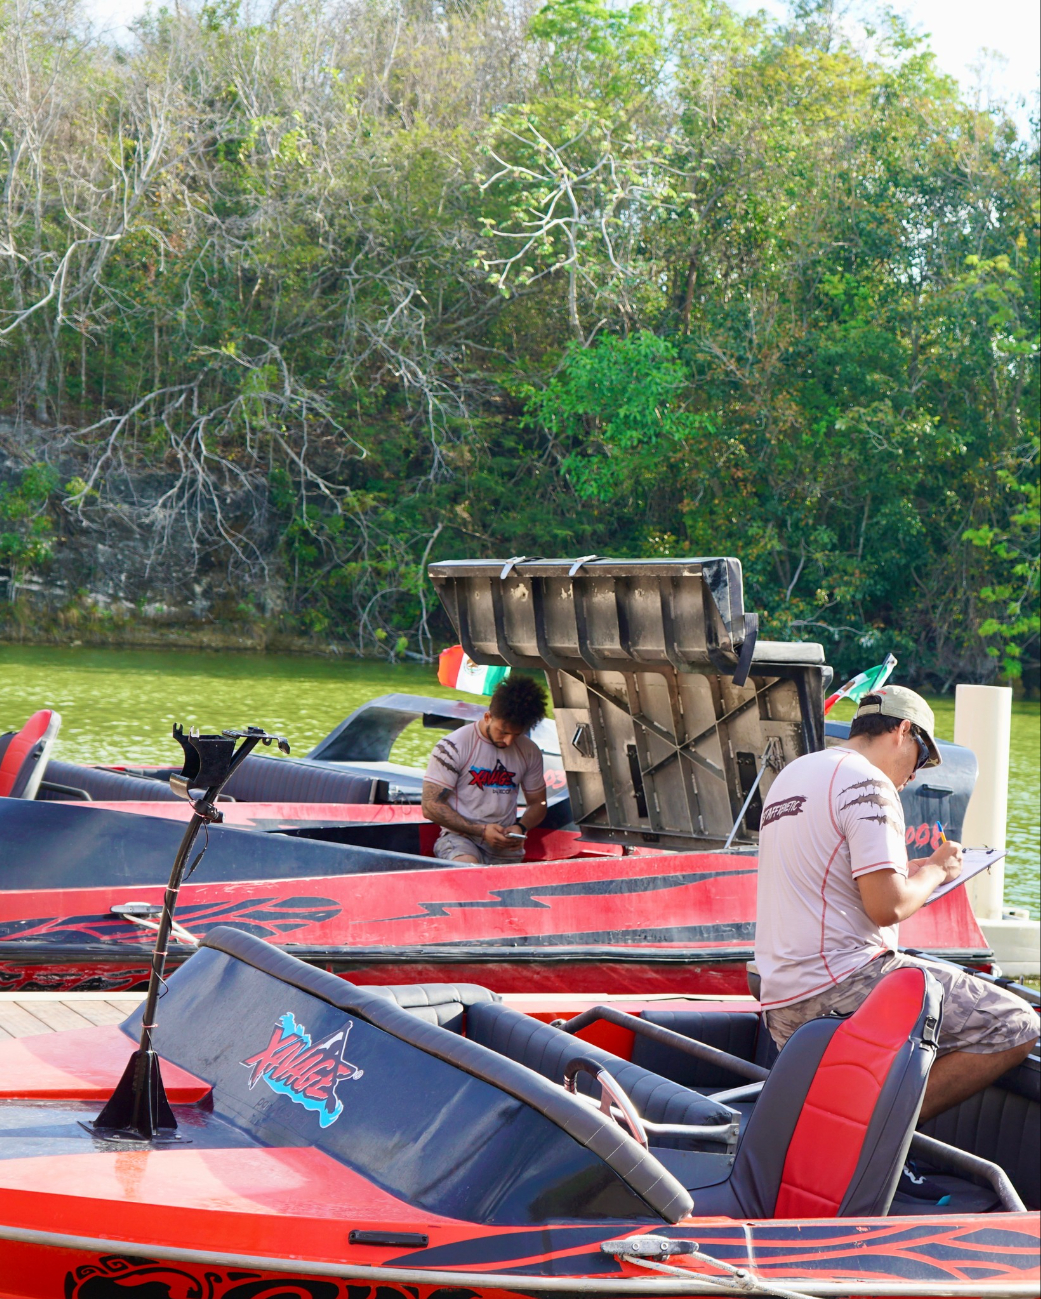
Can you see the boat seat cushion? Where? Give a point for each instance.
(1002, 1123)
(801, 653)
(739, 1033)
(101, 785)
(258, 780)
(280, 780)
(437, 1003)
(640, 1171)
(24, 754)
(548, 1051)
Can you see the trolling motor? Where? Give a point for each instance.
(138, 1109)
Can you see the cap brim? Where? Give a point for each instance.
(934, 753)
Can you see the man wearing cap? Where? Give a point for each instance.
(834, 883)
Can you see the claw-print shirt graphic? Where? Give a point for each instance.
(485, 781)
(829, 818)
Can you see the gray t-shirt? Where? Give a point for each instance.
(485, 781)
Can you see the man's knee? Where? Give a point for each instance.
(1020, 1053)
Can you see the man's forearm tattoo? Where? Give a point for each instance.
(436, 809)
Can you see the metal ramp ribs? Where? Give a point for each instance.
(665, 701)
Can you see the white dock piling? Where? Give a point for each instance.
(983, 723)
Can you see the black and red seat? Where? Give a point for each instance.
(831, 1129)
(830, 1132)
(24, 754)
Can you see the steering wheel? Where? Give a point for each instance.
(610, 1093)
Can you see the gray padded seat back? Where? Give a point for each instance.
(741, 1033)
(279, 780)
(548, 1051)
(437, 1003)
(258, 780)
(801, 653)
(104, 786)
(1001, 1123)
(735, 1032)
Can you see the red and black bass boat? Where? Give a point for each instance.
(672, 721)
(351, 765)
(439, 1141)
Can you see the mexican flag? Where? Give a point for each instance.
(459, 672)
(863, 683)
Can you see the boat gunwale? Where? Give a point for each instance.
(593, 1284)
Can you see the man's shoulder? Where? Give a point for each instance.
(808, 769)
(449, 754)
(834, 758)
(806, 782)
(527, 748)
(856, 769)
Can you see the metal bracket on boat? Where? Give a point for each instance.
(773, 757)
(584, 559)
(138, 1110)
(508, 567)
(145, 913)
(210, 760)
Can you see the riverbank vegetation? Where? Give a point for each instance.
(292, 305)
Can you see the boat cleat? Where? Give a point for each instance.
(648, 1247)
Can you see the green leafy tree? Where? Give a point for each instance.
(26, 527)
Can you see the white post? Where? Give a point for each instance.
(983, 723)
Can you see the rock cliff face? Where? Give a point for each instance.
(123, 565)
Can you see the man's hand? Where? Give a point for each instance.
(948, 857)
(495, 837)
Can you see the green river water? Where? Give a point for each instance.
(121, 704)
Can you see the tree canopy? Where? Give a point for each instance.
(373, 283)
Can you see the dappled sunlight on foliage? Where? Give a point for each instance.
(364, 286)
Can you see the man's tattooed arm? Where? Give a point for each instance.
(436, 809)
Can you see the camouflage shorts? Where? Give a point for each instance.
(977, 1016)
(450, 846)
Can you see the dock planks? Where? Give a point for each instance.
(24, 1014)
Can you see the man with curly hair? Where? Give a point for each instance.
(475, 776)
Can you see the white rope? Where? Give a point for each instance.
(745, 1282)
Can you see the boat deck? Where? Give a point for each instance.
(24, 1014)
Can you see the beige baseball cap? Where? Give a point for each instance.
(898, 701)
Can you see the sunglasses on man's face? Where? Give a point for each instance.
(923, 749)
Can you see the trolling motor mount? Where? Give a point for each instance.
(138, 1110)
(209, 761)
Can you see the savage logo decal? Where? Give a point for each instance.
(308, 1074)
(497, 777)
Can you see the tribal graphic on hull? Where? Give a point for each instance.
(308, 1075)
(268, 917)
(115, 1277)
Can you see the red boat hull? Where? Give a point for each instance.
(576, 916)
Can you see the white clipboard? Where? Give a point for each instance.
(974, 860)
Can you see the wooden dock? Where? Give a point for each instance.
(24, 1014)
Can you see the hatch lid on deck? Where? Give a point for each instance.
(665, 700)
